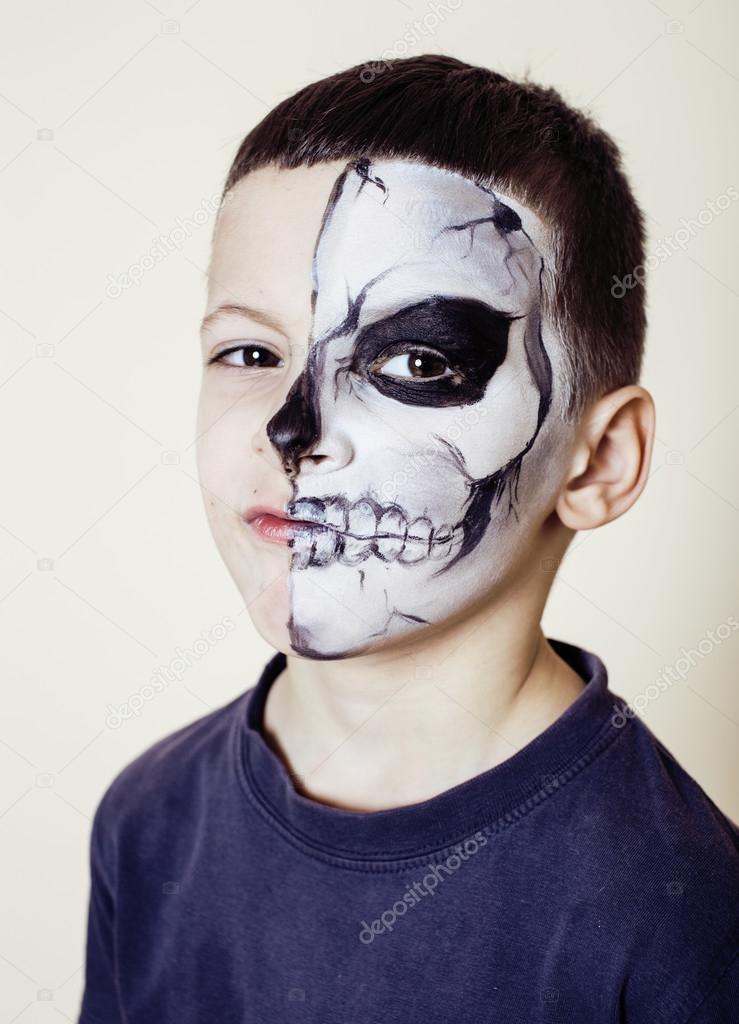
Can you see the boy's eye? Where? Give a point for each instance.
(416, 362)
(247, 357)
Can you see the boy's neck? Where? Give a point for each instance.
(402, 725)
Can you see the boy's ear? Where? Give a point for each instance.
(610, 460)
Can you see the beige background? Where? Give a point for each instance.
(117, 124)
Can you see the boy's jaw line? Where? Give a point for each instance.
(479, 710)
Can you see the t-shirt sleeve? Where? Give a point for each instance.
(100, 1004)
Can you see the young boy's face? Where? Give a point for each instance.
(393, 387)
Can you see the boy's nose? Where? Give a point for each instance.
(294, 428)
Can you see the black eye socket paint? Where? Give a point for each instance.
(468, 333)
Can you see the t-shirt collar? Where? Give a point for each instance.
(486, 801)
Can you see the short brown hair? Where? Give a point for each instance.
(515, 136)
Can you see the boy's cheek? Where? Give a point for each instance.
(269, 607)
(224, 448)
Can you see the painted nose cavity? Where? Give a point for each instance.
(294, 428)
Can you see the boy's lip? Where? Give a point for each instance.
(272, 524)
(266, 510)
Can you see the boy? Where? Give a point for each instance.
(417, 387)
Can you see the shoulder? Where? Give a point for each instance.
(653, 793)
(169, 774)
(665, 834)
(670, 871)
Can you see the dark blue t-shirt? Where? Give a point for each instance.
(588, 879)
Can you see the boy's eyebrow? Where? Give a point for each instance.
(240, 309)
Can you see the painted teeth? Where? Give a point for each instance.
(361, 527)
(352, 533)
(324, 546)
(302, 543)
(336, 517)
(311, 509)
(392, 530)
(419, 530)
(361, 520)
(443, 539)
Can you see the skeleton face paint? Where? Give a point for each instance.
(427, 358)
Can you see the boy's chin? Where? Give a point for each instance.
(269, 611)
(324, 633)
(335, 611)
(324, 645)
(303, 642)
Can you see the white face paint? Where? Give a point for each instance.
(427, 356)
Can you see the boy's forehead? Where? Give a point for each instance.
(400, 229)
